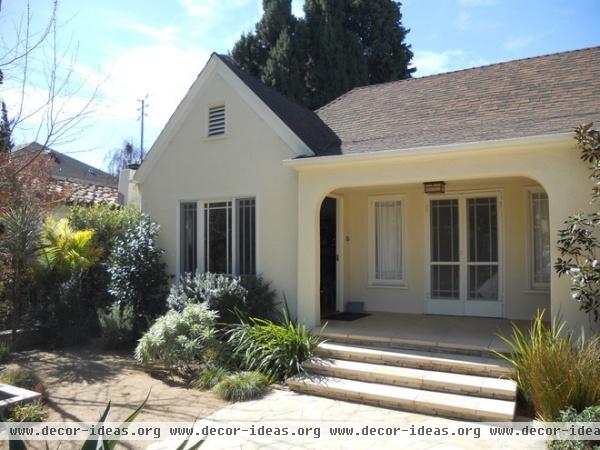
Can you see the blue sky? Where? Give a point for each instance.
(126, 49)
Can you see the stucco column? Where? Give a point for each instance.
(566, 199)
(309, 201)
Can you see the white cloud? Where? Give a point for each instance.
(518, 42)
(164, 34)
(431, 62)
(202, 8)
(164, 72)
(428, 62)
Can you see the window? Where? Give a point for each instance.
(189, 244)
(540, 240)
(217, 237)
(228, 235)
(216, 121)
(386, 241)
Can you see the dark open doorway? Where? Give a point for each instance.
(329, 255)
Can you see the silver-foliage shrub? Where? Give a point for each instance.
(179, 339)
(221, 293)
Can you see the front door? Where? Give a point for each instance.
(464, 270)
(328, 255)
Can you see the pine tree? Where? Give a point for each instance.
(338, 45)
(336, 63)
(378, 25)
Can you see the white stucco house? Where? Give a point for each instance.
(437, 195)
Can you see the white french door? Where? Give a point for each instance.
(464, 270)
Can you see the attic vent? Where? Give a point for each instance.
(216, 120)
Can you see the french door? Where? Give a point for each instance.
(464, 262)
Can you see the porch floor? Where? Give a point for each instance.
(435, 331)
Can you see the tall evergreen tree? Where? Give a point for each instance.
(6, 143)
(335, 57)
(338, 45)
(378, 25)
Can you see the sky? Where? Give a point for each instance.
(116, 52)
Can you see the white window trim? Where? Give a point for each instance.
(207, 121)
(373, 281)
(532, 285)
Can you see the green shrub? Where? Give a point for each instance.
(178, 339)
(278, 351)
(4, 352)
(29, 412)
(209, 378)
(108, 222)
(222, 293)
(242, 386)
(137, 274)
(64, 307)
(116, 326)
(260, 298)
(231, 297)
(589, 414)
(553, 370)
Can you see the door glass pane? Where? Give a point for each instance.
(483, 229)
(444, 230)
(483, 282)
(482, 239)
(445, 248)
(217, 246)
(445, 281)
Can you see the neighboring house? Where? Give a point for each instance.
(85, 185)
(441, 194)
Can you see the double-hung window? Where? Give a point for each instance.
(386, 230)
(540, 240)
(226, 241)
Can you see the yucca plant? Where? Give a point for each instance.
(277, 351)
(66, 249)
(553, 370)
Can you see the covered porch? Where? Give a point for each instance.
(434, 332)
(483, 265)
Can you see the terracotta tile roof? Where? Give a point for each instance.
(86, 194)
(534, 96)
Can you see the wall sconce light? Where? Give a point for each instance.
(434, 187)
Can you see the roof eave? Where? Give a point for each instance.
(468, 147)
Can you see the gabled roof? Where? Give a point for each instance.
(302, 121)
(66, 167)
(534, 96)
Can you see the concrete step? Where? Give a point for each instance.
(366, 339)
(434, 361)
(415, 378)
(406, 398)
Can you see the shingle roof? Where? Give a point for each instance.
(302, 121)
(534, 96)
(66, 167)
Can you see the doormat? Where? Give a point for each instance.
(346, 316)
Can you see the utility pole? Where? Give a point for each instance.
(142, 110)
